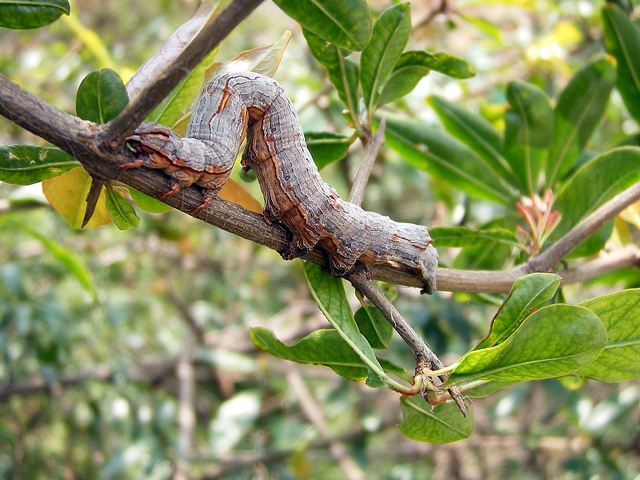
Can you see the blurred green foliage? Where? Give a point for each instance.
(99, 328)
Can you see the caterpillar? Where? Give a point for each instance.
(233, 106)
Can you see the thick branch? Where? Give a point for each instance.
(77, 137)
(152, 94)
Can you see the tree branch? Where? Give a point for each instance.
(371, 148)
(548, 259)
(153, 93)
(78, 138)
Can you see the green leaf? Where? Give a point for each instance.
(26, 164)
(438, 62)
(67, 258)
(554, 341)
(579, 110)
(527, 293)
(467, 237)
(622, 39)
(441, 424)
(528, 131)
(327, 147)
(373, 326)
(485, 254)
(101, 96)
(147, 203)
(484, 389)
(343, 73)
(473, 130)
(322, 347)
(120, 211)
(329, 294)
(390, 35)
(177, 104)
(414, 65)
(444, 157)
(620, 359)
(25, 14)
(403, 80)
(345, 23)
(593, 184)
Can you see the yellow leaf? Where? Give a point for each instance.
(631, 214)
(234, 192)
(67, 193)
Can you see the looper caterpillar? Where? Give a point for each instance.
(236, 105)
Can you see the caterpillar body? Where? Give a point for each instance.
(236, 105)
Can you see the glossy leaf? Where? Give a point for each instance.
(67, 195)
(444, 157)
(390, 35)
(554, 341)
(328, 293)
(620, 359)
(441, 424)
(345, 23)
(438, 62)
(147, 203)
(622, 39)
(71, 262)
(120, 211)
(578, 111)
(528, 131)
(375, 328)
(321, 347)
(527, 294)
(594, 183)
(25, 14)
(402, 81)
(467, 237)
(101, 96)
(327, 147)
(26, 164)
(473, 130)
(343, 73)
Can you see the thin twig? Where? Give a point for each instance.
(548, 260)
(371, 148)
(152, 94)
(426, 360)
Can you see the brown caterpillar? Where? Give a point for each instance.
(238, 104)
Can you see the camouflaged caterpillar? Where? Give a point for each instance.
(236, 105)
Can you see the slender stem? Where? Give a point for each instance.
(547, 260)
(152, 94)
(371, 148)
(426, 360)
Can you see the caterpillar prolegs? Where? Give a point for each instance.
(236, 105)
